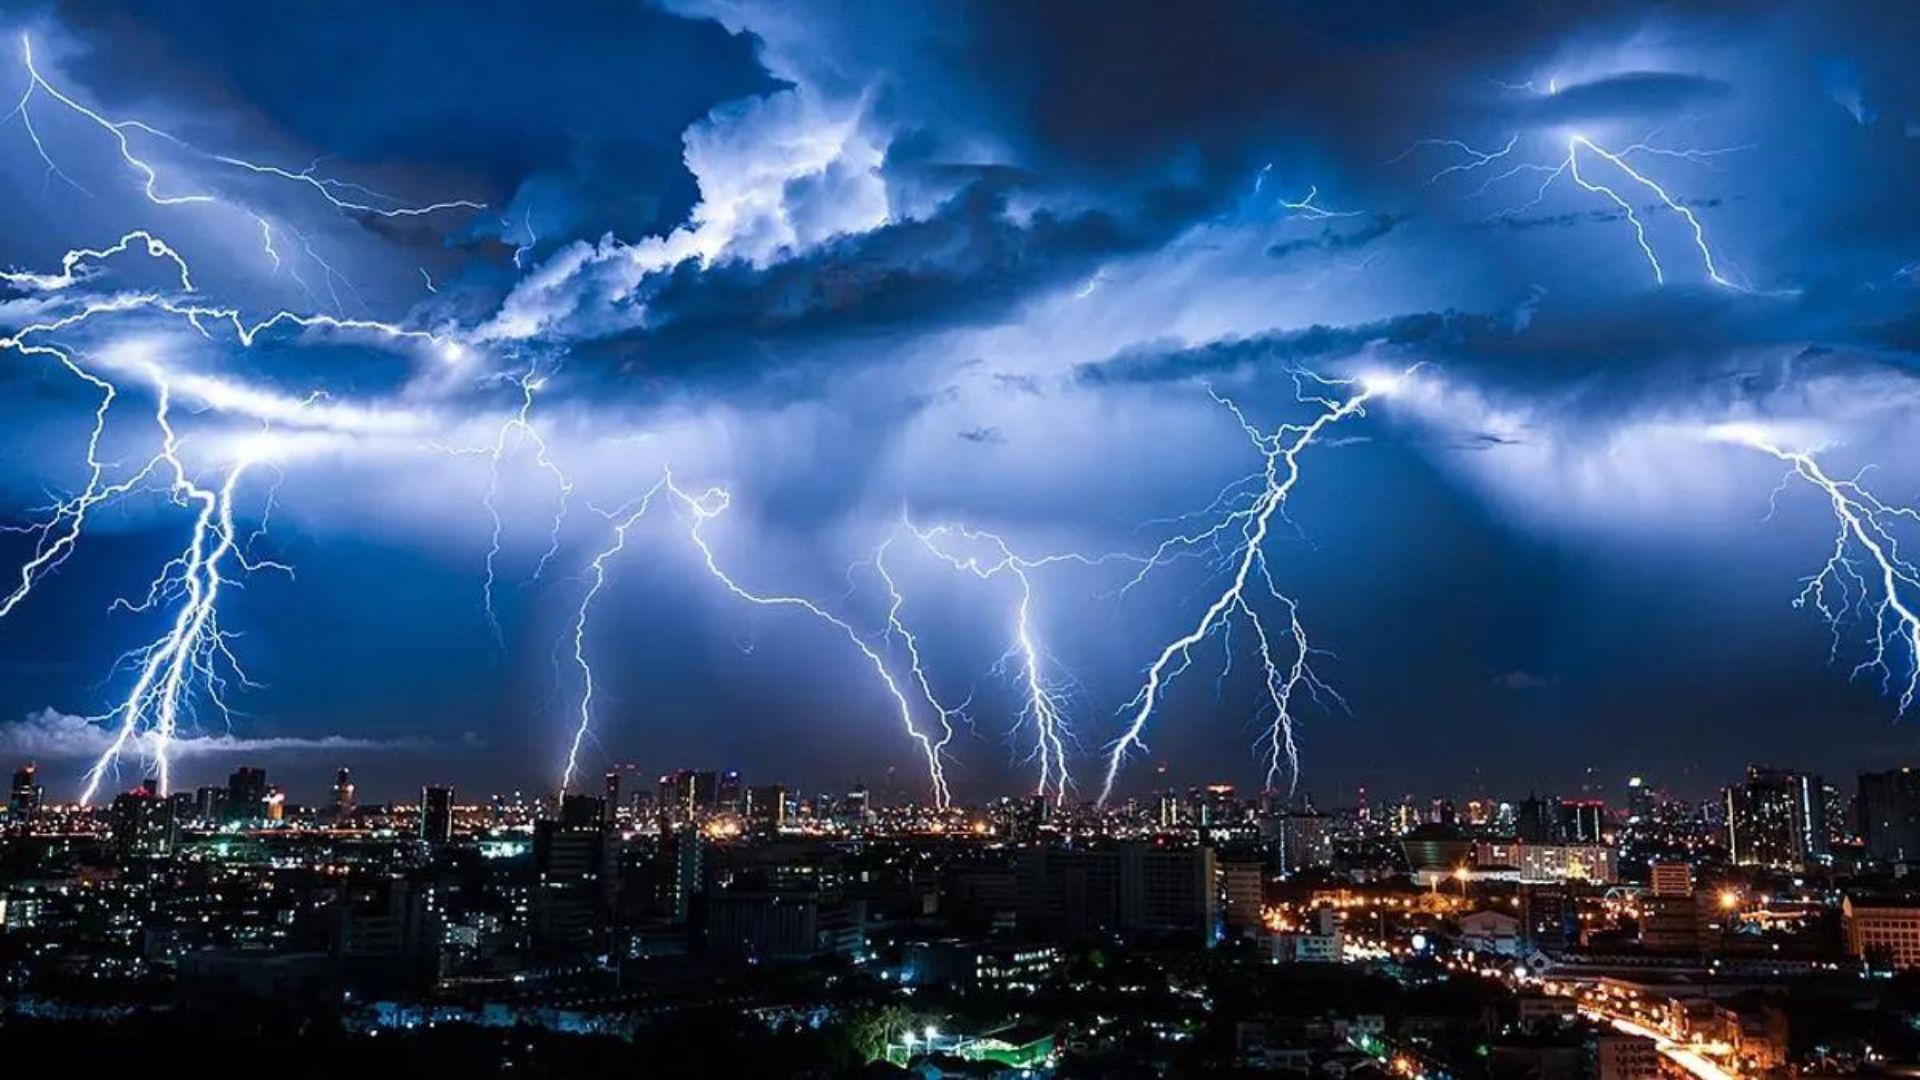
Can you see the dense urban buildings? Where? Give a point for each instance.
(1632, 936)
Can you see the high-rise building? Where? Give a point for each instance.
(857, 807)
(1532, 823)
(142, 823)
(1304, 841)
(247, 794)
(436, 814)
(610, 803)
(572, 855)
(23, 801)
(766, 807)
(681, 873)
(680, 792)
(730, 794)
(1776, 818)
(210, 804)
(1890, 814)
(1581, 821)
(343, 794)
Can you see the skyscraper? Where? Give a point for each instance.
(767, 807)
(24, 800)
(1889, 814)
(1776, 818)
(573, 855)
(343, 794)
(247, 794)
(1581, 821)
(436, 814)
(610, 806)
(142, 823)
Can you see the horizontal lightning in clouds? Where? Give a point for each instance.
(341, 194)
(1866, 576)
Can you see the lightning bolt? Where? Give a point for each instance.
(1306, 208)
(192, 658)
(1337, 400)
(342, 195)
(1865, 576)
(519, 429)
(623, 522)
(1607, 187)
(1046, 698)
(704, 508)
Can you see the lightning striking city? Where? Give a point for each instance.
(1336, 400)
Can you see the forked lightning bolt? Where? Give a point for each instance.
(191, 660)
(704, 508)
(341, 194)
(1046, 697)
(1608, 174)
(623, 521)
(1866, 576)
(1250, 526)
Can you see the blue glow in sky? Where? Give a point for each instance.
(344, 342)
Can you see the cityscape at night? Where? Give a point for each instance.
(961, 538)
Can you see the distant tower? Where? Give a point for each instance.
(343, 794)
(611, 808)
(24, 800)
(436, 814)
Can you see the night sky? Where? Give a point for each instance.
(991, 265)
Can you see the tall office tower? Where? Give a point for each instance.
(1776, 818)
(766, 807)
(247, 794)
(436, 814)
(1889, 814)
(1581, 821)
(731, 793)
(24, 800)
(343, 794)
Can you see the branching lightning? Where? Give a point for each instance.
(341, 194)
(1615, 173)
(191, 660)
(702, 509)
(1046, 698)
(1250, 525)
(1866, 577)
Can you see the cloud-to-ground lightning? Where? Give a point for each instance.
(1046, 697)
(190, 666)
(623, 521)
(1336, 400)
(702, 509)
(1865, 576)
(191, 659)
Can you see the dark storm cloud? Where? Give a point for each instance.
(1331, 239)
(968, 262)
(1633, 95)
(585, 104)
